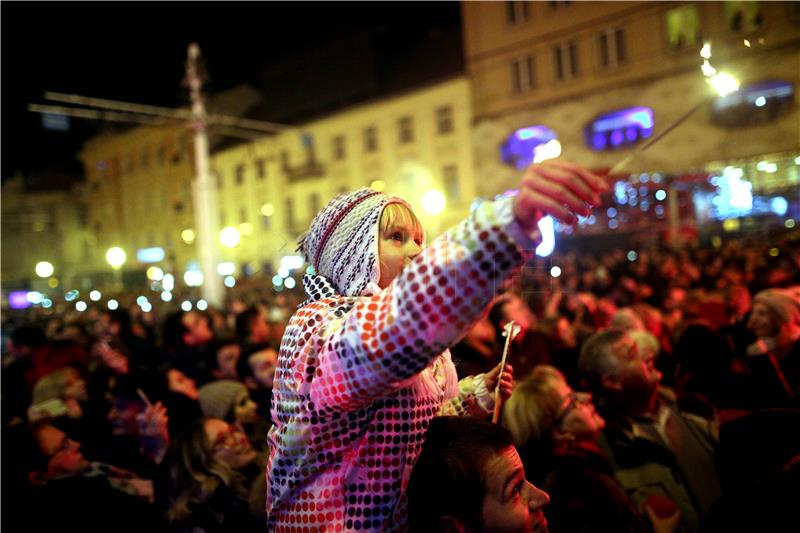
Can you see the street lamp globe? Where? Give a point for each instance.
(116, 257)
(44, 269)
(230, 237)
(433, 202)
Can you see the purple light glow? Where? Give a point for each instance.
(18, 300)
(518, 148)
(620, 128)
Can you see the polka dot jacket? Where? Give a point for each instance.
(360, 377)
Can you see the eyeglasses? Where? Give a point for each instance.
(570, 402)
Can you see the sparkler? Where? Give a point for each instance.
(510, 331)
(723, 85)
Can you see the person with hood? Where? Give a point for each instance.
(364, 366)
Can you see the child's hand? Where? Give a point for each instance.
(506, 381)
(556, 188)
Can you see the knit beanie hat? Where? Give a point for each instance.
(342, 245)
(216, 398)
(783, 303)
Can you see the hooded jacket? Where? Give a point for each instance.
(362, 371)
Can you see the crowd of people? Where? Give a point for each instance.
(654, 391)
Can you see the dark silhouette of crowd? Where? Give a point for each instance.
(656, 390)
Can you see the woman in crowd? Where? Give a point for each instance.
(556, 430)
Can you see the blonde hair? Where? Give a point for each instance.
(532, 410)
(396, 212)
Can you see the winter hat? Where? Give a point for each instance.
(783, 303)
(216, 398)
(342, 246)
(50, 387)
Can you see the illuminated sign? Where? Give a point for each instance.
(518, 149)
(150, 255)
(619, 129)
(757, 102)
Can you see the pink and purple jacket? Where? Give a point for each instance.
(362, 371)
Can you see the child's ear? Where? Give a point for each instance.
(37, 478)
(450, 524)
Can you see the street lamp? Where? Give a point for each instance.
(44, 269)
(115, 257)
(230, 237)
(433, 202)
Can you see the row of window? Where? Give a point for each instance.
(683, 30)
(450, 182)
(611, 52)
(405, 135)
(518, 11)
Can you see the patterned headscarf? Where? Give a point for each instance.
(342, 245)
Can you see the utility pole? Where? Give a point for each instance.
(206, 214)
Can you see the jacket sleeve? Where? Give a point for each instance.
(384, 340)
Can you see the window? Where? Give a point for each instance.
(338, 148)
(452, 187)
(522, 74)
(313, 204)
(565, 60)
(145, 158)
(285, 160)
(220, 181)
(370, 139)
(261, 168)
(405, 130)
(239, 174)
(222, 218)
(162, 155)
(290, 222)
(683, 26)
(266, 222)
(243, 215)
(517, 11)
(611, 46)
(743, 16)
(444, 119)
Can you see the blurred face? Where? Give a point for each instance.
(399, 242)
(66, 459)
(244, 409)
(259, 329)
(510, 503)
(518, 311)
(578, 416)
(761, 322)
(226, 361)
(228, 443)
(636, 371)
(75, 386)
(178, 382)
(199, 332)
(263, 366)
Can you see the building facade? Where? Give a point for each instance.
(139, 183)
(602, 77)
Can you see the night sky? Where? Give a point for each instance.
(136, 52)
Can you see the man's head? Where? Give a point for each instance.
(469, 477)
(251, 326)
(186, 329)
(776, 313)
(222, 359)
(618, 373)
(256, 367)
(55, 455)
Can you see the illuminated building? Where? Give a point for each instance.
(602, 77)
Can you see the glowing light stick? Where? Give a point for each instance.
(723, 85)
(510, 331)
(543, 152)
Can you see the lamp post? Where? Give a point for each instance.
(44, 269)
(116, 256)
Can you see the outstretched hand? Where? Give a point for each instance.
(557, 188)
(506, 381)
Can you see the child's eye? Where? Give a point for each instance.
(397, 236)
